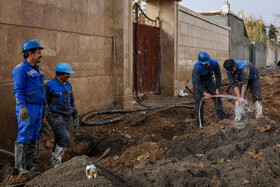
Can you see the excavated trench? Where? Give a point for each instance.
(165, 147)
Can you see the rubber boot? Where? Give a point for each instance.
(57, 156)
(20, 157)
(258, 105)
(30, 153)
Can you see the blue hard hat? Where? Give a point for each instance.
(203, 57)
(30, 44)
(64, 67)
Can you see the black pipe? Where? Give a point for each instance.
(189, 89)
(89, 115)
(226, 84)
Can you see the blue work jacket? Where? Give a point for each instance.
(60, 98)
(28, 84)
(205, 73)
(245, 71)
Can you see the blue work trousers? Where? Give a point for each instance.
(29, 130)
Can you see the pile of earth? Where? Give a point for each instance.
(165, 147)
(221, 154)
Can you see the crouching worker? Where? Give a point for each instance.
(60, 99)
(204, 86)
(243, 75)
(28, 80)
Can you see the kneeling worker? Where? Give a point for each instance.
(243, 75)
(60, 99)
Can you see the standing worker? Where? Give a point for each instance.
(243, 75)
(28, 80)
(204, 86)
(60, 99)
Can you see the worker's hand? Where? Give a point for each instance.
(217, 92)
(45, 111)
(76, 123)
(23, 114)
(207, 95)
(242, 101)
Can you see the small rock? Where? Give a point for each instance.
(49, 144)
(144, 157)
(175, 137)
(264, 129)
(245, 181)
(222, 160)
(201, 165)
(116, 157)
(199, 155)
(127, 136)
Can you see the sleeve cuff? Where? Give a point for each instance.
(22, 105)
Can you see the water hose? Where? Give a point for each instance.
(223, 96)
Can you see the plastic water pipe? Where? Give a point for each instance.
(223, 96)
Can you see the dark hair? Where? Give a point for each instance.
(229, 64)
(26, 53)
(59, 73)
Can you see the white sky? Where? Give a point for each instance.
(265, 8)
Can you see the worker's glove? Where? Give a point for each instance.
(23, 114)
(45, 111)
(76, 123)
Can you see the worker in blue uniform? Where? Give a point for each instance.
(60, 99)
(204, 86)
(243, 75)
(28, 81)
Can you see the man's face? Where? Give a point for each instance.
(64, 77)
(233, 70)
(36, 57)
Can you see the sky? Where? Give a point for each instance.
(265, 8)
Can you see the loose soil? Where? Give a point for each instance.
(165, 147)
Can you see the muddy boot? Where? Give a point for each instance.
(258, 105)
(57, 156)
(20, 157)
(30, 153)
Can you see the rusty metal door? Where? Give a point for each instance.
(146, 59)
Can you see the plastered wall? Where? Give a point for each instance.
(93, 36)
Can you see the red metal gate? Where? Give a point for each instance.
(146, 61)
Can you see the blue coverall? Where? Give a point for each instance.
(202, 79)
(247, 74)
(29, 91)
(62, 107)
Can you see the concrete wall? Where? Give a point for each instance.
(240, 43)
(259, 55)
(197, 33)
(221, 19)
(278, 53)
(94, 37)
(272, 54)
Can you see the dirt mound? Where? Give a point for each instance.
(221, 154)
(165, 147)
